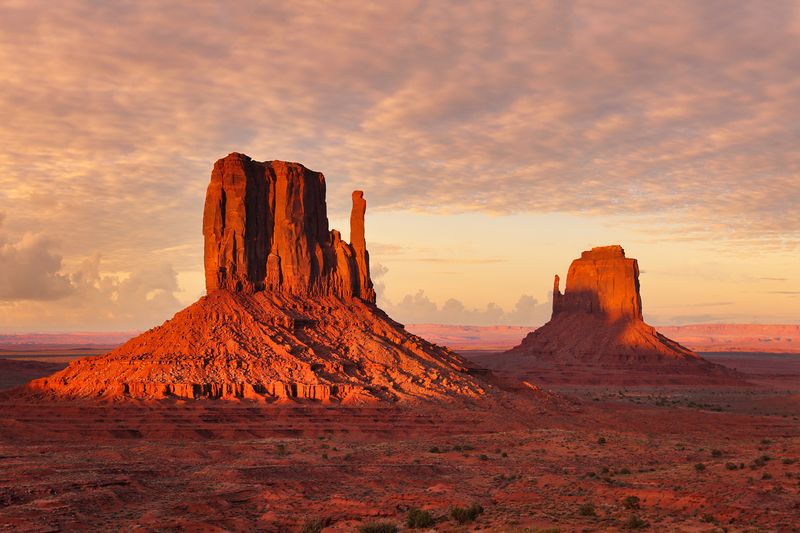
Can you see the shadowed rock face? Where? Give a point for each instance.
(265, 226)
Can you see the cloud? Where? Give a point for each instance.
(29, 269)
(682, 114)
(419, 309)
(680, 118)
(456, 260)
(36, 292)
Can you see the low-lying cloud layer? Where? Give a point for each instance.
(37, 293)
(420, 309)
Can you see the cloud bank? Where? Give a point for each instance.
(36, 292)
(419, 308)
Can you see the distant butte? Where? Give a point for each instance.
(289, 313)
(597, 334)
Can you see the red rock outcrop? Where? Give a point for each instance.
(266, 227)
(597, 327)
(602, 282)
(289, 313)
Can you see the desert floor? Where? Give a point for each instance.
(580, 460)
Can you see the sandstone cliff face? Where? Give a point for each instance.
(290, 312)
(265, 226)
(597, 327)
(603, 282)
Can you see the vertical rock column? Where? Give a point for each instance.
(234, 225)
(359, 244)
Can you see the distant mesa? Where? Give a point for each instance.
(597, 333)
(289, 313)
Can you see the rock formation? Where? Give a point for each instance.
(603, 282)
(266, 227)
(289, 312)
(597, 328)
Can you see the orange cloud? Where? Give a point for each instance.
(681, 115)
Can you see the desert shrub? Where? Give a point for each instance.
(434, 449)
(716, 453)
(766, 475)
(789, 461)
(419, 518)
(708, 518)
(587, 509)
(483, 457)
(766, 442)
(601, 441)
(504, 454)
(634, 522)
(700, 467)
(315, 525)
(462, 515)
(625, 472)
(731, 466)
(632, 502)
(378, 527)
(281, 449)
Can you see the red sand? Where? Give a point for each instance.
(531, 463)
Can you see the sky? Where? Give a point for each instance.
(494, 141)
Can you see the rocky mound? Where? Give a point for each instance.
(290, 311)
(597, 329)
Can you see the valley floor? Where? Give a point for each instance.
(597, 460)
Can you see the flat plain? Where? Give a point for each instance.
(570, 459)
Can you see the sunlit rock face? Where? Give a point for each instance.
(265, 227)
(597, 325)
(290, 312)
(602, 282)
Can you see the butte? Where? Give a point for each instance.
(289, 313)
(597, 335)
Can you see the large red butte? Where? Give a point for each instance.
(290, 311)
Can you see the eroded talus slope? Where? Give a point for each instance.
(264, 346)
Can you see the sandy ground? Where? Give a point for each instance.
(571, 462)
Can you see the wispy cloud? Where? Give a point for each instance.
(680, 116)
(685, 112)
